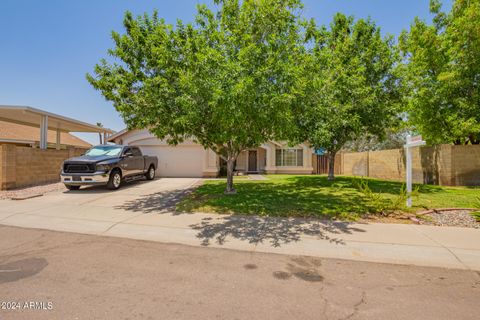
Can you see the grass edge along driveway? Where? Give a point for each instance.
(315, 196)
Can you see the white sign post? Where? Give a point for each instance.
(415, 141)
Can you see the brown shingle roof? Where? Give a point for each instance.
(13, 131)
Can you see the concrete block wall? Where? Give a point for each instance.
(7, 160)
(355, 164)
(26, 166)
(466, 165)
(446, 165)
(387, 164)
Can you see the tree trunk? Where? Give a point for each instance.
(230, 168)
(473, 139)
(331, 165)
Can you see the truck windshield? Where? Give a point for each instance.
(104, 151)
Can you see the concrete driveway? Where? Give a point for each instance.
(145, 210)
(96, 209)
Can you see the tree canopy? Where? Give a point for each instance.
(224, 81)
(442, 73)
(251, 71)
(349, 87)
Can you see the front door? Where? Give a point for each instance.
(252, 160)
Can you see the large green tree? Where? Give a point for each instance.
(224, 80)
(349, 87)
(442, 73)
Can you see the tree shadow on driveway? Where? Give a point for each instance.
(254, 229)
(275, 231)
(158, 202)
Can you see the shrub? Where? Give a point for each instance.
(378, 202)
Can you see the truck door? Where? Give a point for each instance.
(128, 162)
(139, 161)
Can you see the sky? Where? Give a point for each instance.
(47, 46)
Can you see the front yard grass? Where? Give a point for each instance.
(315, 196)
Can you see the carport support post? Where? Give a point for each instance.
(44, 132)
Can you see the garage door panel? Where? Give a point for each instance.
(180, 161)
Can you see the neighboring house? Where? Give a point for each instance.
(190, 159)
(34, 143)
(24, 135)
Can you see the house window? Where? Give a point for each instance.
(289, 157)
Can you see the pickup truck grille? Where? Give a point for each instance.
(78, 168)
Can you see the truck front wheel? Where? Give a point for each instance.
(115, 180)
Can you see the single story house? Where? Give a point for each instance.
(190, 159)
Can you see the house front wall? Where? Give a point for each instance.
(272, 165)
(191, 159)
(267, 160)
(187, 159)
(243, 161)
(241, 164)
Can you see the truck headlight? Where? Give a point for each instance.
(102, 167)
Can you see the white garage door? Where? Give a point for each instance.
(180, 161)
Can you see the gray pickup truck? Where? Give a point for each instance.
(108, 165)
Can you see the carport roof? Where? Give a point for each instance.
(32, 117)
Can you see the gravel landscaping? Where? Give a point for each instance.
(28, 192)
(451, 218)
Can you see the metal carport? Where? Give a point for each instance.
(48, 121)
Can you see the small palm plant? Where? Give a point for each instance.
(476, 214)
(380, 203)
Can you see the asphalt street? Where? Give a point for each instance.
(57, 275)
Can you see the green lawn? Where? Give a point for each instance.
(315, 196)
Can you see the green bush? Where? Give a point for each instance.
(380, 203)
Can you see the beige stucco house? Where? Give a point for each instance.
(190, 159)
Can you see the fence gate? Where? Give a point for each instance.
(322, 165)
